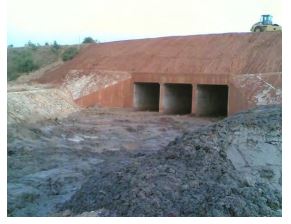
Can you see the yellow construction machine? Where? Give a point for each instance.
(265, 24)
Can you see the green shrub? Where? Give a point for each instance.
(31, 45)
(69, 53)
(20, 61)
(26, 64)
(56, 45)
(88, 40)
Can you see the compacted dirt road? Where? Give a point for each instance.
(48, 161)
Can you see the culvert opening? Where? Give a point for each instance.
(146, 96)
(212, 100)
(177, 99)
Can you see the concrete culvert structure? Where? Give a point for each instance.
(212, 100)
(177, 98)
(147, 96)
(104, 74)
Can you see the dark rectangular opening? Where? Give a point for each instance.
(212, 100)
(146, 96)
(177, 99)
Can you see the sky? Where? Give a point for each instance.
(70, 21)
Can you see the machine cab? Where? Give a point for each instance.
(266, 19)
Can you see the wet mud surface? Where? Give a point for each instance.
(100, 162)
(49, 161)
(229, 168)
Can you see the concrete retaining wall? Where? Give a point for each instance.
(243, 92)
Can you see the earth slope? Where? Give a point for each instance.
(232, 53)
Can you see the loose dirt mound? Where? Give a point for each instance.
(232, 168)
(237, 53)
(31, 103)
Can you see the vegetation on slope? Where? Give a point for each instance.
(26, 59)
(69, 53)
(22, 60)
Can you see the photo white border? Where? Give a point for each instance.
(286, 146)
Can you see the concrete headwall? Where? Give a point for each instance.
(244, 91)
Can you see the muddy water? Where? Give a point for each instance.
(48, 161)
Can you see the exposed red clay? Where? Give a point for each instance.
(248, 63)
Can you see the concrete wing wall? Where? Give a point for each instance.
(250, 90)
(117, 95)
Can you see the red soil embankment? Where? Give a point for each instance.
(233, 53)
